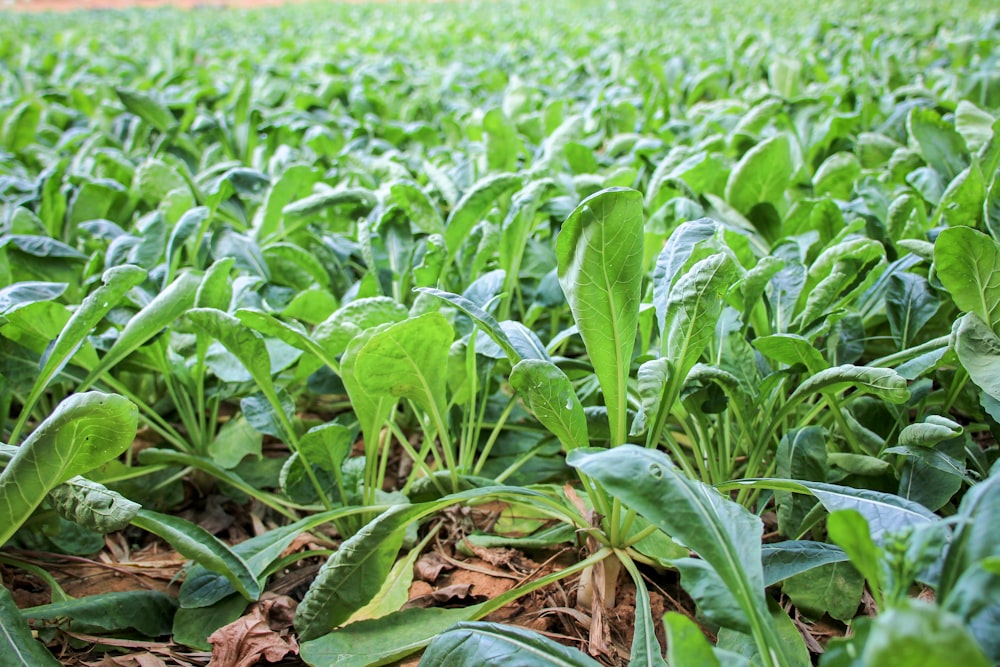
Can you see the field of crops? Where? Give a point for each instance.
(565, 333)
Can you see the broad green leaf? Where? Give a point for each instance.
(408, 359)
(884, 512)
(792, 350)
(839, 273)
(724, 534)
(234, 441)
(473, 207)
(18, 648)
(962, 201)
(549, 395)
(599, 254)
(791, 557)
(21, 125)
(418, 206)
(978, 348)
(693, 308)
(147, 108)
(352, 318)
(150, 613)
(910, 303)
(968, 264)
(939, 144)
(483, 319)
(154, 179)
(290, 334)
(830, 588)
(761, 175)
(26, 293)
(920, 634)
(354, 574)
(196, 543)
(165, 308)
(117, 281)
(686, 643)
(974, 124)
(325, 447)
(394, 593)
(836, 176)
(84, 431)
(384, 640)
(677, 252)
(884, 383)
(93, 505)
(496, 645)
(315, 204)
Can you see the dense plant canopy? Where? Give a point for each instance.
(700, 294)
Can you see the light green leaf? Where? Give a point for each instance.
(196, 543)
(761, 175)
(686, 643)
(939, 144)
(147, 108)
(599, 254)
(408, 359)
(919, 634)
(549, 395)
(473, 207)
(968, 265)
(311, 206)
(235, 440)
(978, 348)
(117, 281)
(158, 314)
(83, 432)
(418, 206)
(791, 349)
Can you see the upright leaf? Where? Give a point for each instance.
(968, 264)
(599, 254)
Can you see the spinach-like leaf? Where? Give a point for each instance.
(968, 264)
(84, 431)
(599, 254)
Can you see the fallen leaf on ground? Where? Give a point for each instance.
(263, 633)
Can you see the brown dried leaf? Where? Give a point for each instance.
(263, 633)
(429, 567)
(456, 595)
